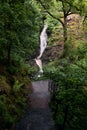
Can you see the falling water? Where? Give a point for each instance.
(43, 44)
(43, 41)
(39, 63)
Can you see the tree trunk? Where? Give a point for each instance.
(65, 117)
(65, 34)
(65, 30)
(9, 53)
(65, 37)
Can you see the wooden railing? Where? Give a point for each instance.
(52, 86)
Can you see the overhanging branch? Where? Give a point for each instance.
(55, 17)
(51, 13)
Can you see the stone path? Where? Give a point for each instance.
(38, 116)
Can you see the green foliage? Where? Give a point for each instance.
(17, 86)
(83, 63)
(18, 30)
(68, 103)
(14, 88)
(4, 86)
(6, 116)
(13, 97)
(11, 109)
(70, 106)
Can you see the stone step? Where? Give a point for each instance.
(38, 115)
(37, 119)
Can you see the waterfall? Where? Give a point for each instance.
(39, 63)
(43, 44)
(43, 41)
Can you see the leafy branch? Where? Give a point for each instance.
(51, 13)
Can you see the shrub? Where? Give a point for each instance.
(69, 102)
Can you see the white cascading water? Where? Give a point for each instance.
(43, 44)
(43, 41)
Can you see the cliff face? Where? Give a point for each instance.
(52, 53)
(76, 34)
(55, 46)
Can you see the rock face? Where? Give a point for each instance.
(38, 115)
(53, 52)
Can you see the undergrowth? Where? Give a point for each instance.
(15, 86)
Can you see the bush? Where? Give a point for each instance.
(69, 109)
(14, 89)
(68, 103)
